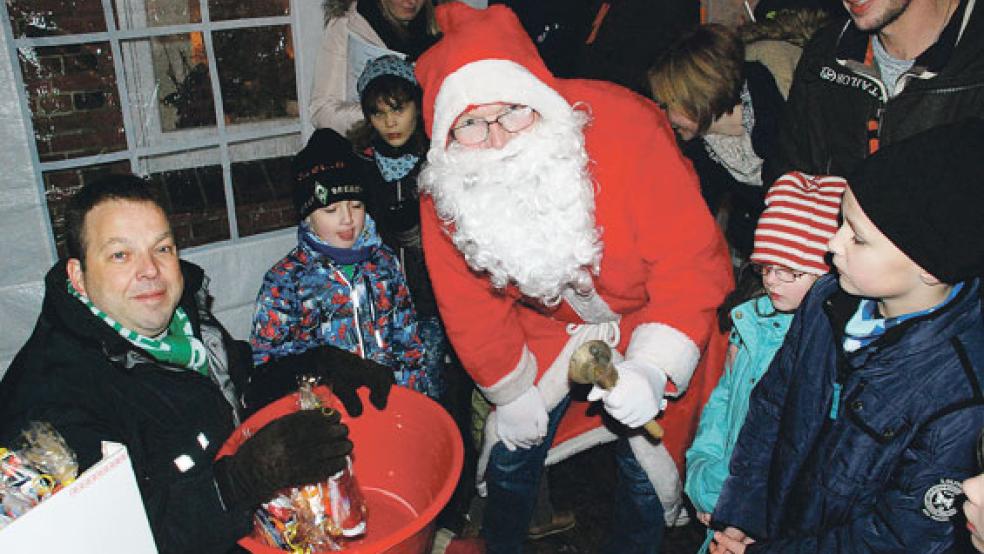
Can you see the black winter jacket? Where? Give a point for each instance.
(77, 373)
(861, 452)
(395, 206)
(834, 95)
(717, 185)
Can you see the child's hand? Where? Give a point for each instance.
(704, 518)
(730, 541)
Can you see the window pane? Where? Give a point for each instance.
(73, 98)
(36, 18)
(168, 82)
(271, 147)
(191, 184)
(60, 186)
(262, 184)
(241, 9)
(136, 14)
(256, 73)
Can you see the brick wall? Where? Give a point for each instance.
(233, 9)
(71, 89)
(262, 191)
(195, 198)
(40, 18)
(74, 101)
(60, 186)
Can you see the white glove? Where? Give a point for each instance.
(637, 397)
(523, 422)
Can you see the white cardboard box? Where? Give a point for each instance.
(100, 513)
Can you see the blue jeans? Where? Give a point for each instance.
(513, 478)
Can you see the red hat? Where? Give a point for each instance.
(484, 57)
(799, 218)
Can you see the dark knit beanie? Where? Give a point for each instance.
(325, 171)
(926, 194)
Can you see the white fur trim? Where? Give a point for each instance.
(580, 443)
(656, 461)
(656, 345)
(515, 382)
(488, 82)
(553, 385)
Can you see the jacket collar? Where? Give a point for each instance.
(883, 410)
(911, 337)
(757, 320)
(852, 45)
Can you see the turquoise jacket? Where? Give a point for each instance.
(756, 337)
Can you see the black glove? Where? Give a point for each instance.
(298, 449)
(347, 372)
(344, 371)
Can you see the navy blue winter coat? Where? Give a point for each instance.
(883, 475)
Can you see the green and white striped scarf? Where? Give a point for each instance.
(178, 347)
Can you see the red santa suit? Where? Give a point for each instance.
(664, 267)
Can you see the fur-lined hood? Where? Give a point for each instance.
(793, 26)
(335, 8)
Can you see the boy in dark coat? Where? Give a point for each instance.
(858, 436)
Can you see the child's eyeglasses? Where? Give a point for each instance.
(784, 274)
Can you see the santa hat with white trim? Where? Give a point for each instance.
(484, 57)
(799, 218)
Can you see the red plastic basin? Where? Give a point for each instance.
(407, 459)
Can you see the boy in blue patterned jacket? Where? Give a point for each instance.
(340, 286)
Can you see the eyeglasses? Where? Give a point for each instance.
(784, 274)
(474, 130)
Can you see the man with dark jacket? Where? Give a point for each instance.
(126, 350)
(895, 68)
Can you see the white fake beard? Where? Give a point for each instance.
(524, 213)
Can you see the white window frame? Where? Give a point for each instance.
(179, 149)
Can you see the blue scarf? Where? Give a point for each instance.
(866, 326)
(394, 168)
(364, 246)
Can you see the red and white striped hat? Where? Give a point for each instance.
(800, 216)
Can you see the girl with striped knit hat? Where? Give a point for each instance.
(787, 258)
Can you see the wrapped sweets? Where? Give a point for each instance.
(315, 517)
(27, 476)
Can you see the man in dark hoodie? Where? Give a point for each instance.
(126, 350)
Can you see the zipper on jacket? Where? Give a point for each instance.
(835, 404)
(873, 130)
(372, 313)
(843, 372)
(399, 200)
(355, 312)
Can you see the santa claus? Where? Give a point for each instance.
(555, 212)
